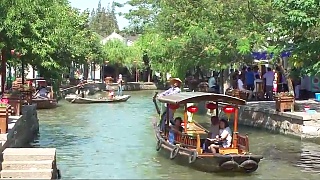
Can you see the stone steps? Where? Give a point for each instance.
(29, 154)
(29, 163)
(27, 174)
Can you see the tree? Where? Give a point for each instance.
(103, 20)
(49, 34)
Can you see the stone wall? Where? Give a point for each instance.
(21, 129)
(299, 124)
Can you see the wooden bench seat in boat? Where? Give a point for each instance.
(243, 147)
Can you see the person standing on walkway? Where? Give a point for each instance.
(213, 84)
(249, 78)
(241, 88)
(269, 77)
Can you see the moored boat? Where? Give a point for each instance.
(79, 100)
(187, 147)
(47, 102)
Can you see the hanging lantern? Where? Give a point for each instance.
(192, 109)
(173, 107)
(211, 107)
(228, 110)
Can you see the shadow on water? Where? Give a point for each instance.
(117, 141)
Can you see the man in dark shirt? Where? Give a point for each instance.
(249, 77)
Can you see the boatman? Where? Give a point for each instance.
(80, 88)
(174, 89)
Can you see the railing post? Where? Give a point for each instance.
(4, 114)
(198, 144)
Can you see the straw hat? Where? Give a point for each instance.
(175, 80)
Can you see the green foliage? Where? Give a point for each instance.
(103, 20)
(117, 52)
(49, 34)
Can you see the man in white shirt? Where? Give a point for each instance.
(269, 78)
(241, 88)
(213, 85)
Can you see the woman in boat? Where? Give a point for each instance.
(224, 139)
(174, 89)
(213, 133)
(43, 92)
(175, 129)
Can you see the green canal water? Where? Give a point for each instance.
(116, 141)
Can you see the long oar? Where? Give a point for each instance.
(74, 99)
(73, 87)
(155, 103)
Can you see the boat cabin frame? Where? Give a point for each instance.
(240, 143)
(41, 79)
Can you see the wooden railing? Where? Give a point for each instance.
(243, 143)
(184, 140)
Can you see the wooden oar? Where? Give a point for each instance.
(155, 103)
(74, 98)
(73, 86)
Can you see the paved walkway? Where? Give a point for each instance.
(299, 105)
(299, 112)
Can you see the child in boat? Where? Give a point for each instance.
(111, 94)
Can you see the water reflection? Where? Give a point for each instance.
(102, 141)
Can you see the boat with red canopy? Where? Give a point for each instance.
(47, 102)
(186, 147)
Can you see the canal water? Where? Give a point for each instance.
(116, 141)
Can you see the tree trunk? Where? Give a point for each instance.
(286, 74)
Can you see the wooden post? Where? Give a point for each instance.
(185, 118)
(4, 114)
(198, 144)
(235, 127)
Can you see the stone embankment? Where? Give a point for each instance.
(300, 124)
(25, 163)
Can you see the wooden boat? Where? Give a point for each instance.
(42, 102)
(79, 100)
(186, 147)
(45, 103)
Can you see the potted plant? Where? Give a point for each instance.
(284, 101)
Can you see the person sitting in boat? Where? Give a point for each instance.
(111, 94)
(224, 139)
(213, 133)
(174, 89)
(43, 92)
(175, 129)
